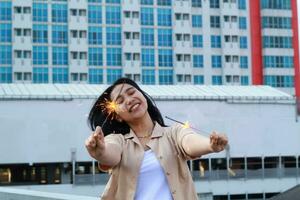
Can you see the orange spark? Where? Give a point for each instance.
(186, 125)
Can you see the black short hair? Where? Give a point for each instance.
(97, 116)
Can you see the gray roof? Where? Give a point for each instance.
(20, 91)
(291, 194)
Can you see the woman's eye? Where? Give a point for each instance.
(131, 92)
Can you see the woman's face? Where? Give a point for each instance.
(132, 104)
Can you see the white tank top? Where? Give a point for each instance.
(152, 183)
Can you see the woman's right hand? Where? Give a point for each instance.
(95, 143)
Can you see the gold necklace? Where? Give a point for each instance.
(144, 136)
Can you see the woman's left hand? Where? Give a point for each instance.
(218, 142)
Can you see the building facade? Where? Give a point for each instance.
(218, 42)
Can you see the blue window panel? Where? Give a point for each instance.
(243, 42)
(164, 37)
(277, 42)
(242, 23)
(197, 60)
(95, 35)
(95, 1)
(113, 1)
(147, 37)
(5, 10)
(148, 76)
(277, 22)
(40, 75)
(148, 58)
(164, 2)
(279, 81)
(215, 22)
(59, 13)
(198, 79)
(40, 55)
(197, 41)
(113, 35)
(278, 61)
(40, 33)
(164, 17)
(244, 62)
(5, 54)
(114, 57)
(113, 15)
(214, 3)
(276, 4)
(95, 14)
(59, 34)
(95, 76)
(216, 61)
(196, 3)
(165, 57)
(197, 21)
(95, 57)
(40, 12)
(5, 32)
(215, 41)
(242, 4)
(244, 80)
(113, 75)
(5, 74)
(60, 75)
(147, 17)
(146, 2)
(217, 80)
(60, 56)
(165, 77)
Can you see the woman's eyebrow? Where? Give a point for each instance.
(120, 95)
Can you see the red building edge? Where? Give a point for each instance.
(256, 42)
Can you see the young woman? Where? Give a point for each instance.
(148, 160)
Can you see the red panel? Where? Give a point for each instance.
(296, 47)
(256, 44)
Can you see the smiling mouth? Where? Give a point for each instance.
(134, 107)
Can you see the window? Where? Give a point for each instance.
(215, 21)
(165, 37)
(147, 37)
(278, 61)
(5, 10)
(244, 80)
(216, 61)
(244, 62)
(242, 4)
(40, 12)
(40, 33)
(276, 4)
(113, 75)
(113, 15)
(165, 57)
(277, 42)
(277, 22)
(113, 1)
(95, 57)
(196, 3)
(40, 55)
(113, 36)
(164, 17)
(95, 14)
(40, 75)
(60, 56)
(148, 76)
(95, 76)
(243, 42)
(5, 54)
(197, 21)
(5, 32)
(59, 34)
(148, 58)
(60, 75)
(217, 80)
(146, 2)
(214, 4)
(165, 77)
(147, 17)
(197, 41)
(279, 81)
(95, 35)
(215, 41)
(5, 74)
(59, 13)
(164, 2)
(198, 79)
(114, 57)
(197, 60)
(242, 23)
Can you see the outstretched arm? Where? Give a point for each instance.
(196, 145)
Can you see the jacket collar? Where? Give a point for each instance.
(157, 132)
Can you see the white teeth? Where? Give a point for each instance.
(134, 107)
